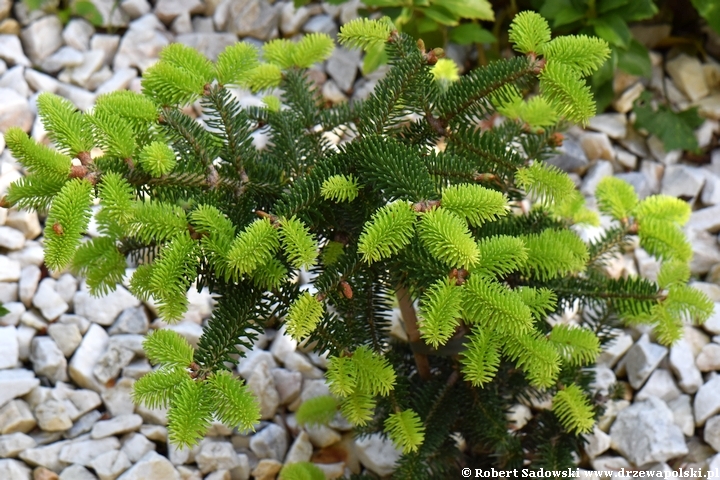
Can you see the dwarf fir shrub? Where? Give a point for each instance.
(428, 201)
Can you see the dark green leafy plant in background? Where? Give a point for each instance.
(65, 9)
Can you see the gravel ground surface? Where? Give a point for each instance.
(68, 360)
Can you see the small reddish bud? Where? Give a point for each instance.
(556, 139)
(78, 171)
(484, 177)
(84, 157)
(459, 275)
(346, 289)
(58, 229)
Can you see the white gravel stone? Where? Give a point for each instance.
(81, 322)
(141, 44)
(604, 380)
(28, 283)
(137, 369)
(709, 358)
(597, 146)
(66, 336)
(48, 301)
(342, 67)
(682, 181)
(15, 417)
(683, 414)
(711, 433)
(9, 350)
(270, 442)
(84, 400)
(83, 424)
(82, 452)
(118, 399)
(252, 361)
(103, 310)
(32, 254)
(83, 361)
(136, 445)
(52, 416)
(248, 18)
(288, 384)
(11, 51)
(660, 385)
(14, 443)
(131, 320)
(151, 466)
(45, 456)
(624, 103)
(65, 57)
(301, 450)
(92, 62)
(110, 465)
(25, 335)
(40, 82)
(26, 221)
(687, 74)
(77, 34)
(322, 436)
(614, 350)
(15, 79)
(15, 312)
(32, 319)
(11, 239)
(597, 172)
(705, 219)
(8, 292)
(706, 253)
(15, 383)
(711, 191)
(645, 432)
(182, 24)
(642, 359)
(292, 19)
(76, 472)
(261, 383)
(14, 111)
(614, 125)
(712, 290)
(112, 16)
(598, 442)
(321, 24)
(111, 362)
(48, 360)
(120, 80)
(707, 401)
(167, 10)
(115, 426)
(13, 469)
(42, 37)
(377, 454)
(682, 363)
(135, 8)
(106, 43)
(217, 456)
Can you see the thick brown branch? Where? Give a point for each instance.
(411, 326)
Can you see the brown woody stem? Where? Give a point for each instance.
(411, 326)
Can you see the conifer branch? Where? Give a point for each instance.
(409, 316)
